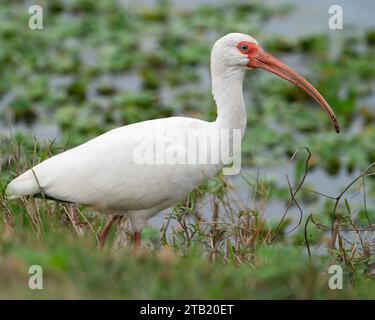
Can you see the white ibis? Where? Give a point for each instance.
(103, 174)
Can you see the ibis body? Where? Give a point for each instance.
(102, 172)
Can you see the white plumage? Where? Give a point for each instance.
(102, 173)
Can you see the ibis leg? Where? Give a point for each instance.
(137, 242)
(104, 234)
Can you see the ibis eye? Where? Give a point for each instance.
(244, 47)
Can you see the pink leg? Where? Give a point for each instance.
(104, 234)
(137, 242)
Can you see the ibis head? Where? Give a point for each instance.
(237, 50)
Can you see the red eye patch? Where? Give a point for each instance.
(246, 47)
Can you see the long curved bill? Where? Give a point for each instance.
(264, 60)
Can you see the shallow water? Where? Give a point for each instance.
(274, 209)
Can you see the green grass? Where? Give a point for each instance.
(74, 268)
(233, 254)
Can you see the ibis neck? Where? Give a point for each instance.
(228, 94)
